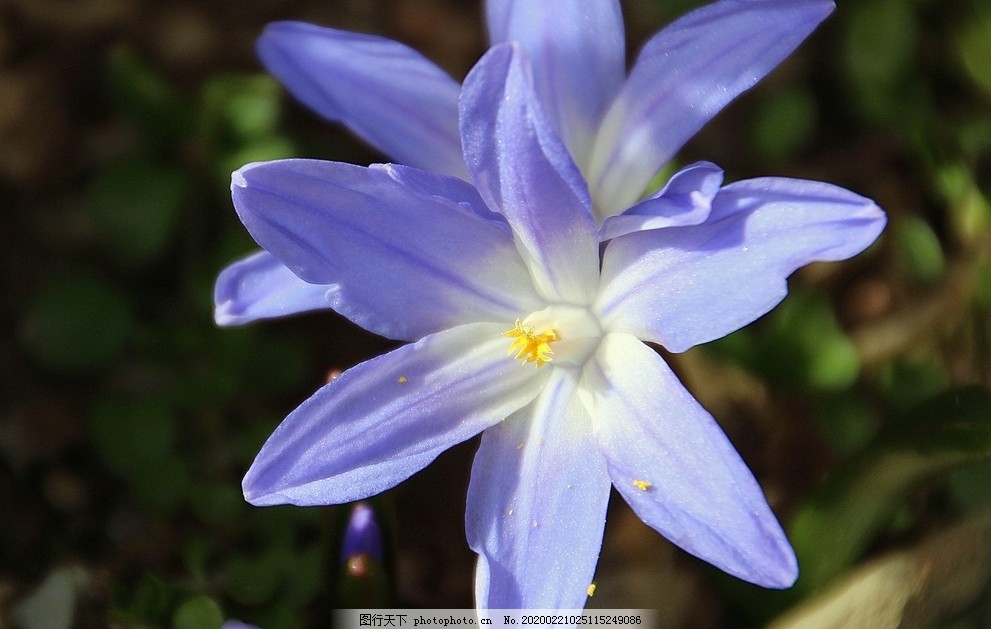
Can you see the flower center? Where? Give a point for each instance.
(531, 347)
(573, 331)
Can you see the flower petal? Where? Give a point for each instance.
(578, 52)
(523, 171)
(711, 279)
(397, 261)
(686, 199)
(683, 77)
(537, 504)
(671, 462)
(385, 92)
(261, 287)
(385, 419)
(443, 188)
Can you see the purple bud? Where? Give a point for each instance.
(362, 536)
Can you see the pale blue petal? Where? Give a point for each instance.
(672, 463)
(397, 261)
(683, 77)
(537, 504)
(686, 199)
(523, 171)
(688, 285)
(385, 92)
(261, 287)
(443, 188)
(578, 52)
(385, 419)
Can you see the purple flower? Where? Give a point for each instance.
(512, 264)
(620, 130)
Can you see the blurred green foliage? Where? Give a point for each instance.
(77, 322)
(801, 345)
(165, 383)
(863, 494)
(136, 206)
(198, 612)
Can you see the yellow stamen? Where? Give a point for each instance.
(591, 589)
(642, 485)
(529, 346)
(403, 379)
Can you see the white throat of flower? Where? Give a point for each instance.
(561, 333)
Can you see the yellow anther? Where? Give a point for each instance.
(642, 485)
(403, 379)
(529, 346)
(591, 589)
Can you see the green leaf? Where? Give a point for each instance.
(248, 106)
(800, 345)
(975, 53)
(969, 208)
(969, 486)
(920, 251)
(908, 381)
(861, 496)
(928, 584)
(239, 122)
(198, 612)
